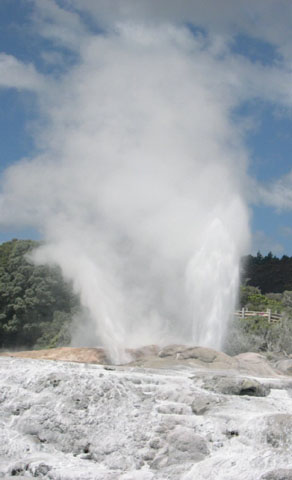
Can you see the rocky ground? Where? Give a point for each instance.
(173, 413)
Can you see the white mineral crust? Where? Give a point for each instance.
(69, 421)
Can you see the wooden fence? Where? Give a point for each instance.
(272, 317)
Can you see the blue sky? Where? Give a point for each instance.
(270, 147)
(33, 35)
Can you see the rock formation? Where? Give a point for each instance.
(175, 413)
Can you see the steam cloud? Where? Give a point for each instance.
(138, 189)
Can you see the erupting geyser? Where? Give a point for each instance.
(137, 189)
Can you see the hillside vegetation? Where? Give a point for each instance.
(267, 284)
(36, 304)
(256, 333)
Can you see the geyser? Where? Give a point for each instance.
(137, 189)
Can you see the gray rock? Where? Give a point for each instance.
(12, 477)
(206, 355)
(142, 352)
(160, 461)
(155, 443)
(117, 461)
(137, 475)
(173, 408)
(252, 363)
(236, 386)
(202, 403)
(147, 454)
(171, 350)
(39, 469)
(280, 474)
(285, 366)
(278, 430)
(18, 468)
(87, 426)
(201, 356)
(186, 446)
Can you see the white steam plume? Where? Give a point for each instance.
(138, 193)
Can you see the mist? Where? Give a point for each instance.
(138, 187)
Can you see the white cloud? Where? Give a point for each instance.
(277, 194)
(60, 25)
(269, 20)
(15, 74)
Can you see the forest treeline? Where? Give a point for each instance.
(269, 273)
(37, 305)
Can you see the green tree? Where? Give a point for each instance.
(36, 303)
(269, 273)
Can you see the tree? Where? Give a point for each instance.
(30, 296)
(268, 273)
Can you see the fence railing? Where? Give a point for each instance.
(272, 317)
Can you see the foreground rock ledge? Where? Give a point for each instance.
(153, 356)
(200, 414)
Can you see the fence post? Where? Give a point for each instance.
(269, 315)
(242, 312)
